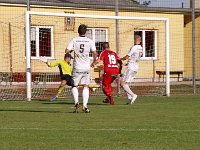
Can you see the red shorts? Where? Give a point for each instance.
(108, 79)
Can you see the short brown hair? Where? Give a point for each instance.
(105, 45)
(137, 37)
(82, 29)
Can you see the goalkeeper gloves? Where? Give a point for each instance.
(43, 59)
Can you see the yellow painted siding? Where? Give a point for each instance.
(188, 46)
(15, 15)
(197, 4)
(176, 43)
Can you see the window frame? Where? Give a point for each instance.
(37, 42)
(93, 34)
(143, 44)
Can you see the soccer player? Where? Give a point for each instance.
(133, 57)
(81, 46)
(65, 68)
(111, 71)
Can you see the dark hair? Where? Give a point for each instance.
(68, 56)
(82, 29)
(105, 45)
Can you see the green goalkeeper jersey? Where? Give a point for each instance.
(65, 67)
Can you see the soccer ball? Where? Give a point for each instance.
(93, 89)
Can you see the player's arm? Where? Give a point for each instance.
(129, 54)
(44, 60)
(94, 53)
(95, 61)
(68, 51)
(55, 63)
(70, 47)
(100, 59)
(124, 58)
(50, 64)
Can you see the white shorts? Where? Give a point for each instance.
(128, 75)
(80, 77)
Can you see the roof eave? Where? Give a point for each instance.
(103, 7)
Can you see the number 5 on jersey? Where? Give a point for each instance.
(82, 46)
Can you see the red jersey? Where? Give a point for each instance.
(110, 60)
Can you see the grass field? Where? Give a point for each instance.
(152, 123)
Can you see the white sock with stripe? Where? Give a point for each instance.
(85, 96)
(75, 94)
(128, 90)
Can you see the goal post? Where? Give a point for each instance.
(29, 14)
(28, 56)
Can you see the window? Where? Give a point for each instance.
(149, 43)
(41, 42)
(98, 35)
(69, 22)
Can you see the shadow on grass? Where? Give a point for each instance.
(18, 110)
(71, 103)
(43, 111)
(53, 103)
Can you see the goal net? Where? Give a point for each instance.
(24, 76)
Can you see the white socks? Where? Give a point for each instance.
(129, 96)
(75, 94)
(128, 90)
(85, 96)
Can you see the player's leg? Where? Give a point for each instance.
(125, 79)
(85, 80)
(76, 77)
(129, 96)
(68, 80)
(118, 84)
(106, 84)
(107, 87)
(60, 89)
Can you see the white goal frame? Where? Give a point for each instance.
(28, 48)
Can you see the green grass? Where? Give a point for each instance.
(152, 123)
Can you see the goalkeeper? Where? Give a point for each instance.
(65, 68)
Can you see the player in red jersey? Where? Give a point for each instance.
(111, 70)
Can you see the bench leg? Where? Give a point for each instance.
(163, 77)
(159, 77)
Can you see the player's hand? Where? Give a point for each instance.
(120, 61)
(43, 59)
(93, 64)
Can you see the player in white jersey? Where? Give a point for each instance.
(81, 46)
(133, 57)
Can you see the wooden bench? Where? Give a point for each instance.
(163, 73)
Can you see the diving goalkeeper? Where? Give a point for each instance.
(65, 68)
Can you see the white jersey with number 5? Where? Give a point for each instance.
(82, 46)
(134, 54)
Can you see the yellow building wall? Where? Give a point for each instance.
(12, 39)
(197, 4)
(15, 15)
(148, 67)
(188, 46)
